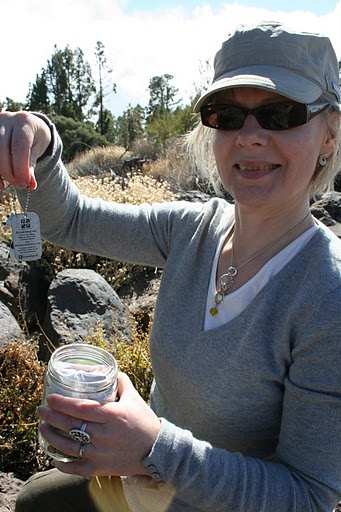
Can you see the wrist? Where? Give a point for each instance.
(48, 139)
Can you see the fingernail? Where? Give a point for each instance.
(33, 182)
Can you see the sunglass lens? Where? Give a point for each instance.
(231, 117)
(281, 116)
(224, 117)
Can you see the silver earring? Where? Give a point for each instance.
(323, 159)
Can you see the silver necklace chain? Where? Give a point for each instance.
(226, 280)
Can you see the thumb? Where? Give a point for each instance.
(125, 386)
(33, 181)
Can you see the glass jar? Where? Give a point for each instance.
(79, 371)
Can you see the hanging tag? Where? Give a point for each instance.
(26, 241)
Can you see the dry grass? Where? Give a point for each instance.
(8, 204)
(174, 168)
(136, 189)
(98, 161)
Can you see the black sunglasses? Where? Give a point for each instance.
(274, 116)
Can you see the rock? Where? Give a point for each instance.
(327, 208)
(36, 279)
(23, 288)
(79, 301)
(142, 303)
(10, 280)
(193, 196)
(9, 488)
(9, 327)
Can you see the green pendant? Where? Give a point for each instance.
(214, 311)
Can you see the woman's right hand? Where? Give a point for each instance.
(24, 137)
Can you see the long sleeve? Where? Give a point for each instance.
(250, 410)
(72, 220)
(254, 407)
(304, 473)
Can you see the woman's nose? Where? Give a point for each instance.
(252, 133)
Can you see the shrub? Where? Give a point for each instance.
(174, 168)
(98, 161)
(21, 386)
(132, 358)
(77, 136)
(8, 204)
(145, 149)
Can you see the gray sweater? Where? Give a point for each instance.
(252, 409)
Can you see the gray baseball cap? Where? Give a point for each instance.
(298, 65)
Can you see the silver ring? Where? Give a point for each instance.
(81, 451)
(79, 434)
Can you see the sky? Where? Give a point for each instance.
(142, 38)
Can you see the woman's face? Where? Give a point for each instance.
(265, 168)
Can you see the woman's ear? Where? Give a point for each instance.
(329, 141)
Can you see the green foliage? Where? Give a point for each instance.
(133, 358)
(106, 125)
(11, 105)
(186, 118)
(77, 136)
(83, 85)
(64, 87)
(162, 96)
(167, 126)
(130, 126)
(37, 99)
(163, 128)
(69, 82)
(103, 126)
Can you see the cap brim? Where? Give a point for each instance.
(271, 78)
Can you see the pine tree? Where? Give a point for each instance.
(64, 87)
(130, 126)
(104, 83)
(37, 98)
(162, 96)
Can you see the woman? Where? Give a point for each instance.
(245, 346)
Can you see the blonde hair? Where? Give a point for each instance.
(324, 176)
(199, 149)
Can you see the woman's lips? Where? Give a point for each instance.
(255, 169)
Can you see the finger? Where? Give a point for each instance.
(83, 409)
(62, 442)
(60, 421)
(6, 169)
(21, 143)
(14, 166)
(80, 468)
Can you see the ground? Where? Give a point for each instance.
(9, 488)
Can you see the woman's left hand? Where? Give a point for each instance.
(122, 433)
